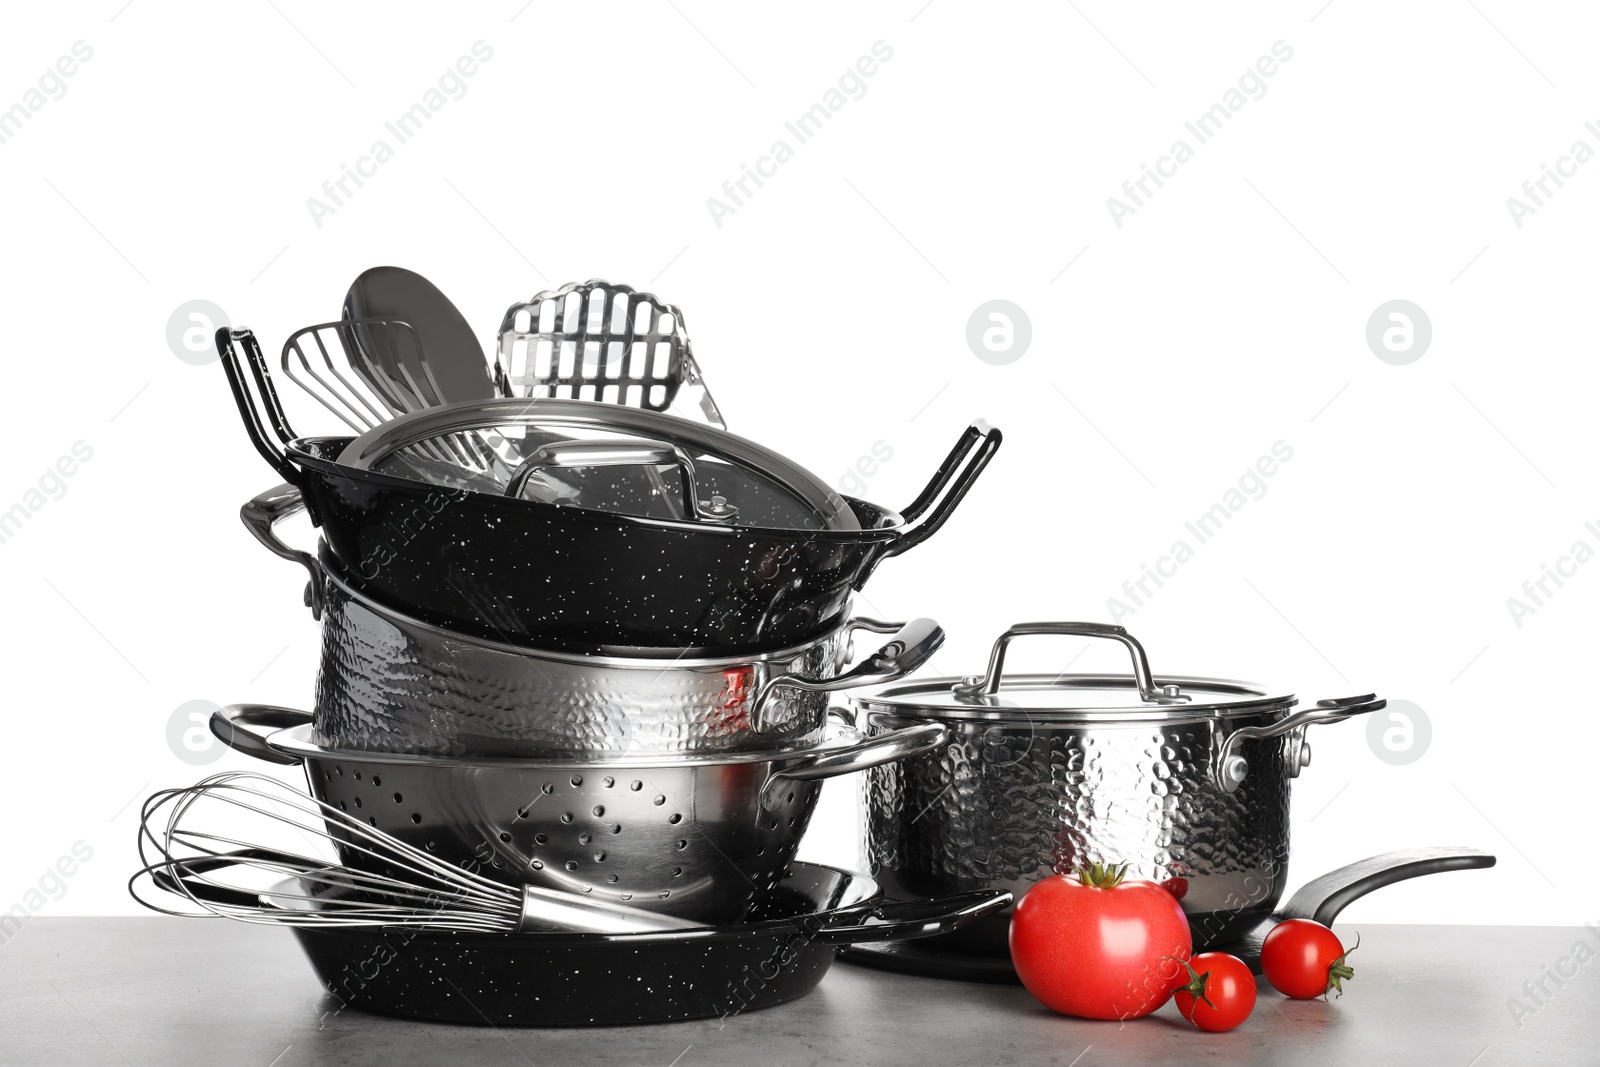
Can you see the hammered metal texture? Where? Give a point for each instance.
(685, 840)
(1002, 806)
(387, 684)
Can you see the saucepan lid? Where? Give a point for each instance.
(1135, 697)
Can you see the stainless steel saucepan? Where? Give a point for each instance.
(696, 837)
(389, 682)
(1185, 779)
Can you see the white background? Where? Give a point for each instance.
(829, 313)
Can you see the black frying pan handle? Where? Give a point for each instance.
(246, 727)
(1324, 898)
(903, 920)
(977, 445)
(179, 877)
(254, 424)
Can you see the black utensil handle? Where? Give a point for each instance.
(254, 424)
(977, 445)
(180, 877)
(246, 727)
(1324, 898)
(904, 920)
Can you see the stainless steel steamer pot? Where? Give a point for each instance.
(1185, 779)
(389, 682)
(697, 837)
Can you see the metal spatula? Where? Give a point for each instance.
(447, 364)
(598, 341)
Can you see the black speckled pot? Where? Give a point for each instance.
(570, 578)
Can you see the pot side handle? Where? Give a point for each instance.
(908, 649)
(904, 920)
(885, 748)
(246, 727)
(264, 512)
(1229, 769)
(977, 445)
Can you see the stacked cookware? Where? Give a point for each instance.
(574, 646)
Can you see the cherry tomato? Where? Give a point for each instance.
(1098, 947)
(1304, 959)
(1220, 992)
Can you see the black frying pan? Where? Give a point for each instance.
(545, 979)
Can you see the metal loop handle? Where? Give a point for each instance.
(913, 642)
(255, 420)
(246, 727)
(885, 748)
(989, 684)
(263, 513)
(1229, 769)
(980, 440)
(647, 454)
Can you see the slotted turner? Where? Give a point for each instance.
(599, 341)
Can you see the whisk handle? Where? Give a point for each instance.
(246, 727)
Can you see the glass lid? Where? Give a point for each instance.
(602, 457)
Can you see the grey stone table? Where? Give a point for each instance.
(174, 991)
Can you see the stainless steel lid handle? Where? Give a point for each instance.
(989, 684)
(908, 649)
(647, 454)
(1229, 769)
(266, 511)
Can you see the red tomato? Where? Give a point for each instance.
(1220, 993)
(1097, 947)
(1304, 959)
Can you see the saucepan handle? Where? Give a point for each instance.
(976, 689)
(246, 727)
(265, 512)
(1229, 769)
(909, 648)
(885, 748)
(904, 920)
(949, 485)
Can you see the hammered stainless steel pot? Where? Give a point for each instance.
(696, 837)
(388, 682)
(1184, 779)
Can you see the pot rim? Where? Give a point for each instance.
(295, 742)
(665, 661)
(900, 701)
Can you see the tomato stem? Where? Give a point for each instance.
(1102, 875)
(1196, 985)
(1339, 971)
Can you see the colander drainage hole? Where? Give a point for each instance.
(547, 789)
(376, 781)
(616, 828)
(566, 816)
(572, 865)
(682, 845)
(537, 865)
(676, 871)
(416, 816)
(583, 838)
(358, 801)
(505, 837)
(608, 781)
(577, 779)
(675, 818)
(611, 878)
(599, 810)
(636, 785)
(660, 800)
(358, 776)
(397, 797)
(599, 857)
(540, 839)
(342, 807)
